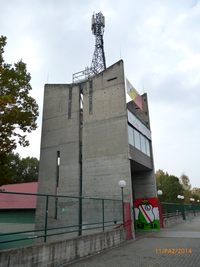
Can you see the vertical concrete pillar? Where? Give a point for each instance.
(60, 136)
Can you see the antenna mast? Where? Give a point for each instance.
(98, 60)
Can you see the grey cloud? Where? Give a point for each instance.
(154, 37)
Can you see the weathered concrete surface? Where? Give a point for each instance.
(61, 252)
(105, 143)
(103, 140)
(144, 184)
(105, 135)
(177, 219)
(60, 132)
(176, 246)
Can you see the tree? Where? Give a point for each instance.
(185, 181)
(170, 186)
(27, 170)
(196, 193)
(20, 170)
(5, 171)
(18, 110)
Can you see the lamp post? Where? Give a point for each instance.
(180, 197)
(183, 207)
(122, 184)
(193, 207)
(198, 205)
(160, 192)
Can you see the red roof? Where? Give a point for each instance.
(18, 201)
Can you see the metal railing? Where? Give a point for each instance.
(55, 215)
(176, 209)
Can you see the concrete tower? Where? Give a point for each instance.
(87, 148)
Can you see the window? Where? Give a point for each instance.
(90, 96)
(130, 135)
(58, 168)
(148, 148)
(70, 103)
(137, 139)
(57, 183)
(143, 143)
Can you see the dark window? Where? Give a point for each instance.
(90, 96)
(58, 167)
(57, 183)
(111, 79)
(70, 103)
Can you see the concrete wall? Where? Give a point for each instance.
(60, 132)
(105, 143)
(170, 220)
(140, 159)
(105, 149)
(105, 137)
(144, 185)
(61, 252)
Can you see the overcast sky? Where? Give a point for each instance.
(159, 42)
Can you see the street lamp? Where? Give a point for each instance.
(183, 208)
(180, 197)
(192, 206)
(160, 192)
(122, 184)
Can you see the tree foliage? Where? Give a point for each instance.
(170, 186)
(18, 110)
(20, 170)
(185, 181)
(173, 186)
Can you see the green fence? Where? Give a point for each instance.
(176, 209)
(56, 215)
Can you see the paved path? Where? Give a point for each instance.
(171, 247)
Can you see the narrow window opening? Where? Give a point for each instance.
(70, 103)
(90, 96)
(111, 79)
(58, 168)
(57, 183)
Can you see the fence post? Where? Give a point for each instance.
(46, 218)
(103, 213)
(123, 206)
(183, 211)
(160, 214)
(80, 216)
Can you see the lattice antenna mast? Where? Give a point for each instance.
(98, 60)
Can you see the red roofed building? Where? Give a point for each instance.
(18, 201)
(17, 211)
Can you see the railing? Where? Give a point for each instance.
(55, 215)
(177, 209)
